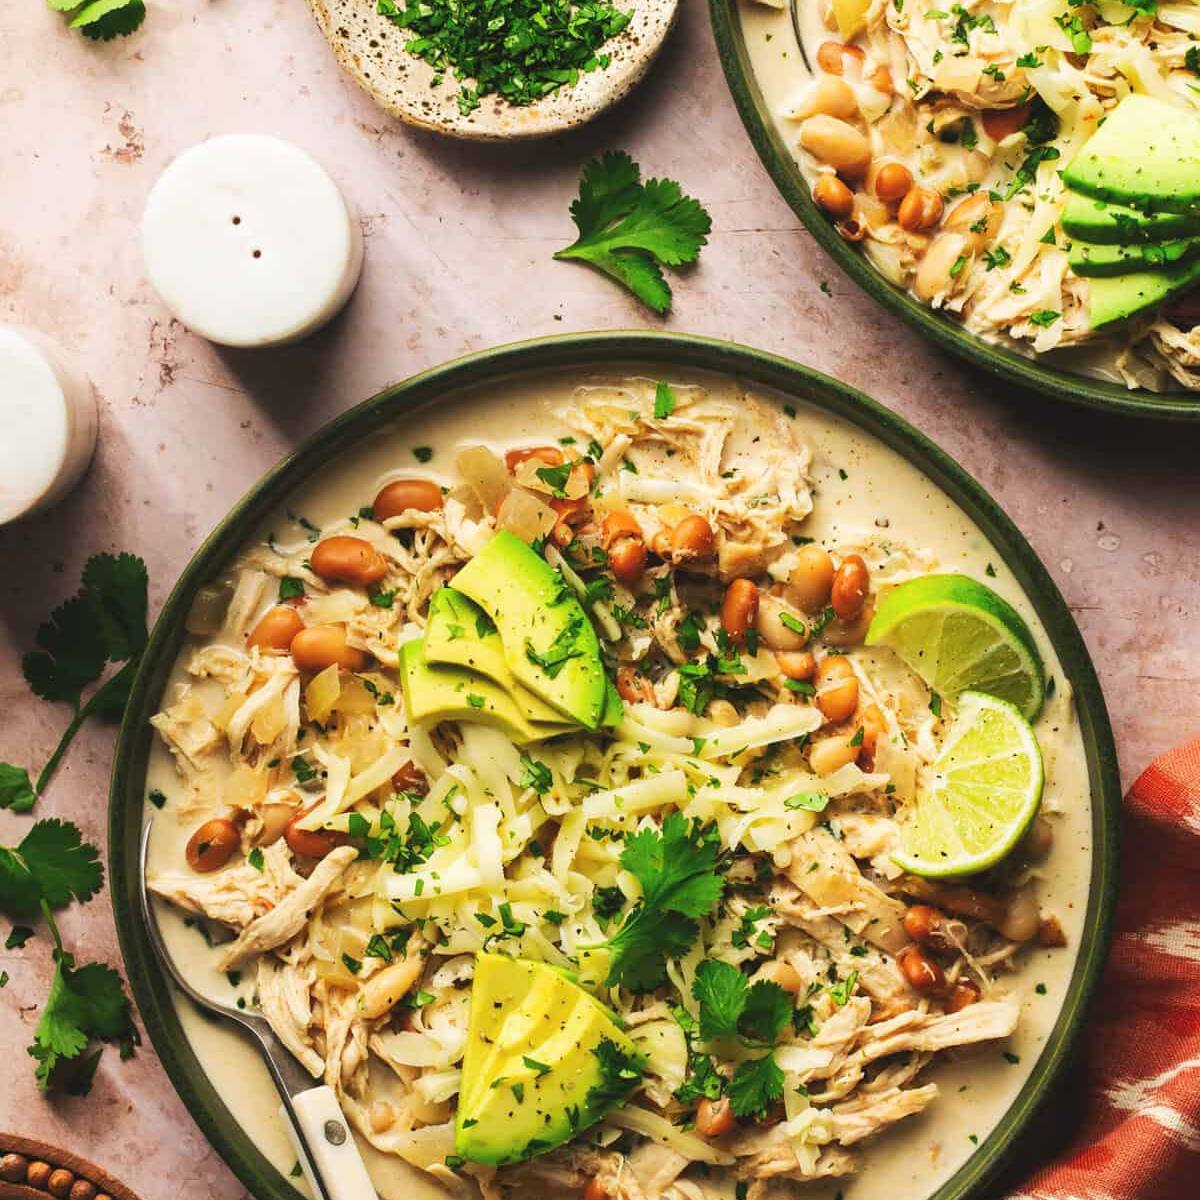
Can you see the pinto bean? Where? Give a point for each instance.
(851, 583)
(779, 625)
(965, 992)
(838, 144)
(893, 181)
(811, 579)
(410, 778)
(407, 495)
(627, 559)
(320, 646)
(834, 197)
(275, 629)
(348, 560)
(739, 607)
(921, 971)
(796, 664)
(927, 925)
(829, 95)
(714, 1118)
(616, 524)
(999, 123)
(311, 843)
(212, 845)
(835, 57)
(921, 209)
(692, 540)
(831, 754)
(837, 688)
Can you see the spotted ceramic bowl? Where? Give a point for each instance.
(371, 49)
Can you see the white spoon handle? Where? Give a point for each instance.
(339, 1166)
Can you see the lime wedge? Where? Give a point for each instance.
(959, 635)
(986, 788)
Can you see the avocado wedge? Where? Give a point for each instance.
(1109, 224)
(1095, 259)
(448, 693)
(544, 1061)
(1145, 155)
(459, 633)
(1119, 297)
(549, 643)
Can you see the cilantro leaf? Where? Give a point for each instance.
(664, 401)
(16, 792)
(116, 587)
(720, 989)
(84, 1003)
(102, 20)
(641, 947)
(755, 1086)
(627, 228)
(767, 1010)
(703, 1081)
(620, 1073)
(53, 863)
(677, 869)
(69, 655)
(105, 621)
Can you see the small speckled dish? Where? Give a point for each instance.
(372, 50)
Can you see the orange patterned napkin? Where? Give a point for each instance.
(1136, 1093)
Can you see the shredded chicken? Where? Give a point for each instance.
(289, 915)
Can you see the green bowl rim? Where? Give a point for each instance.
(589, 350)
(996, 360)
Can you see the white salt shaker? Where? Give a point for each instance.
(47, 423)
(249, 242)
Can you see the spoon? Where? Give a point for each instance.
(794, 7)
(326, 1148)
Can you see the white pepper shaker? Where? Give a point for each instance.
(249, 242)
(47, 423)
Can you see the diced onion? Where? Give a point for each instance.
(659, 1129)
(322, 693)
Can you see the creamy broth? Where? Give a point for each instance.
(782, 73)
(860, 485)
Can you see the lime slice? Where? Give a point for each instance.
(959, 635)
(986, 788)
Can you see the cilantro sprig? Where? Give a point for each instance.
(103, 623)
(756, 1015)
(50, 867)
(630, 230)
(677, 869)
(102, 20)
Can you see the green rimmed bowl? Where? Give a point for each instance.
(996, 360)
(589, 352)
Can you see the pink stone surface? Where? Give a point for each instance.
(459, 239)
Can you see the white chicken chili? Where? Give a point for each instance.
(546, 797)
(962, 147)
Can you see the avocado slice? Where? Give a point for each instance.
(1116, 224)
(614, 707)
(1092, 258)
(459, 633)
(549, 643)
(1119, 297)
(544, 1061)
(1146, 154)
(448, 693)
